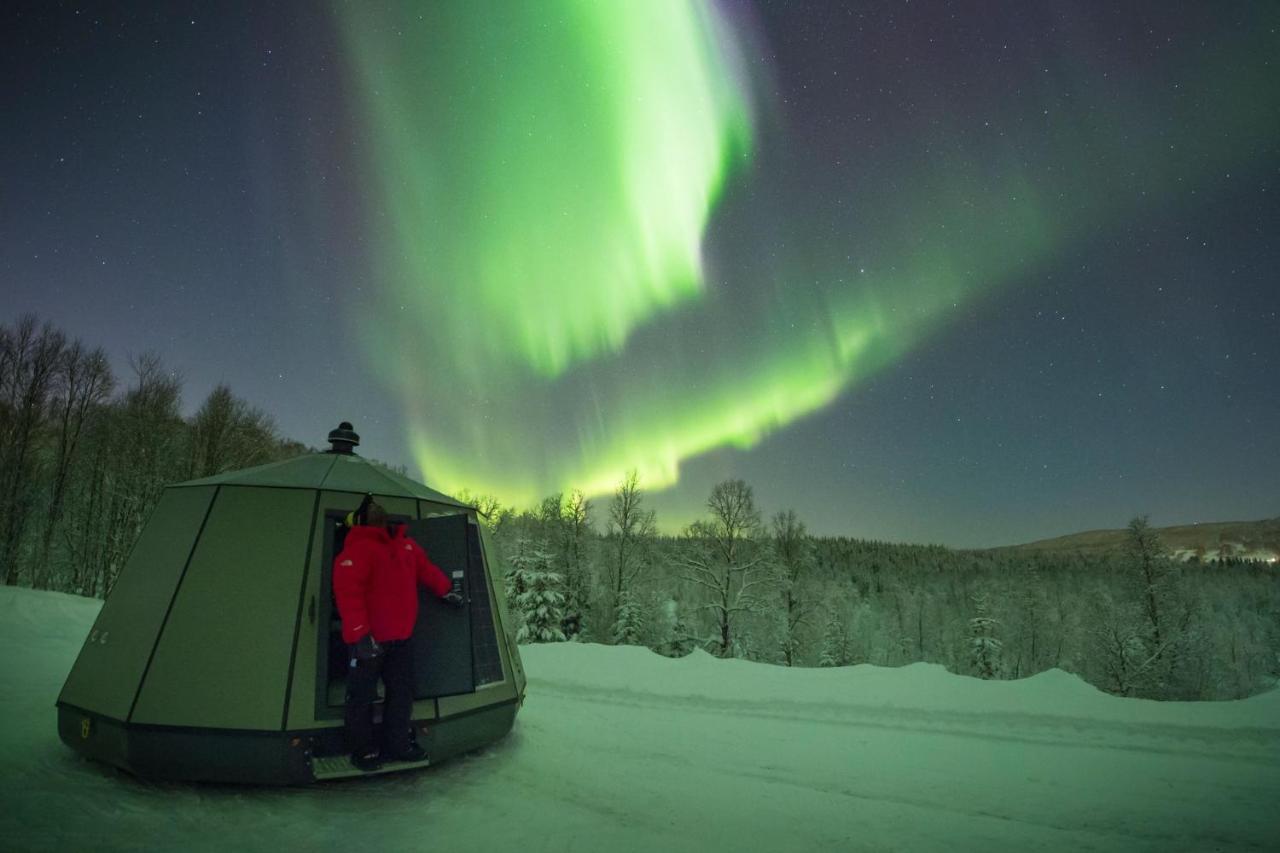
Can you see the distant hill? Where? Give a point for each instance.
(1251, 540)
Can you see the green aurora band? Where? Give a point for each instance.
(544, 180)
(551, 174)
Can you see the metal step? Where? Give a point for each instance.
(327, 767)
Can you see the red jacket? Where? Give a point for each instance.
(375, 583)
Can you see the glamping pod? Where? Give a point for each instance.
(218, 655)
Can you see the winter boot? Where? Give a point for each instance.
(413, 753)
(367, 761)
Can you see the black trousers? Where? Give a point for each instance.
(395, 667)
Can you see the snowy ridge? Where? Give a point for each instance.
(923, 687)
(1214, 540)
(1053, 707)
(621, 749)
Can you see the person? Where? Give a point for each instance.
(375, 581)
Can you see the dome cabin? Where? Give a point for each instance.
(218, 655)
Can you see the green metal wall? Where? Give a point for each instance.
(511, 662)
(222, 660)
(107, 672)
(199, 630)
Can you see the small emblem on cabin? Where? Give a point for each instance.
(346, 563)
(85, 725)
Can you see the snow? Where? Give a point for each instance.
(620, 749)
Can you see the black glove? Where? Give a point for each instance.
(453, 600)
(366, 648)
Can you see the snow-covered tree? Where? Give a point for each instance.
(1118, 652)
(984, 646)
(29, 360)
(81, 387)
(574, 625)
(679, 642)
(628, 626)
(542, 607)
(721, 557)
(490, 512)
(228, 433)
(526, 559)
(1151, 571)
(576, 528)
(1142, 638)
(1029, 629)
(1166, 617)
(536, 595)
(793, 557)
(744, 647)
(835, 641)
(631, 529)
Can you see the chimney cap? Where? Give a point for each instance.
(343, 439)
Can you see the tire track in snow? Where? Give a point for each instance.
(1251, 745)
(1155, 797)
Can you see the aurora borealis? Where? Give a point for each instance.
(559, 193)
(530, 246)
(547, 209)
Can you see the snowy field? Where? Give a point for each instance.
(620, 749)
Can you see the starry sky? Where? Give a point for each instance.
(972, 273)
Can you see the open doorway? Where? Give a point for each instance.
(455, 650)
(331, 652)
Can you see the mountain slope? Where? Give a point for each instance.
(1255, 540)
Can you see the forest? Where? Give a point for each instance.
(85, 454)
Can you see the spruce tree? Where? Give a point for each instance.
(541, 605)
(574, 623)
(535, 592)
(628, 627)
(679, 644)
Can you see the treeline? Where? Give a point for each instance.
(85, 454)
(1134, 622)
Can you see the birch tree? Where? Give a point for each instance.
(721, 558)
(147, 452)
(793, 552)
(630, 526)
(576, 515)
(84, 383)
(28, 367)
(228, 433)
(984, 646)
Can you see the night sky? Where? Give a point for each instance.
(969, 273)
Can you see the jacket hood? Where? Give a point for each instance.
(365, 533)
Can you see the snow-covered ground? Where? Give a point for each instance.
(620, 749)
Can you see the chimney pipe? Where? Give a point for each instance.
(343, 439)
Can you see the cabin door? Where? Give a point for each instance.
(442, 654)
